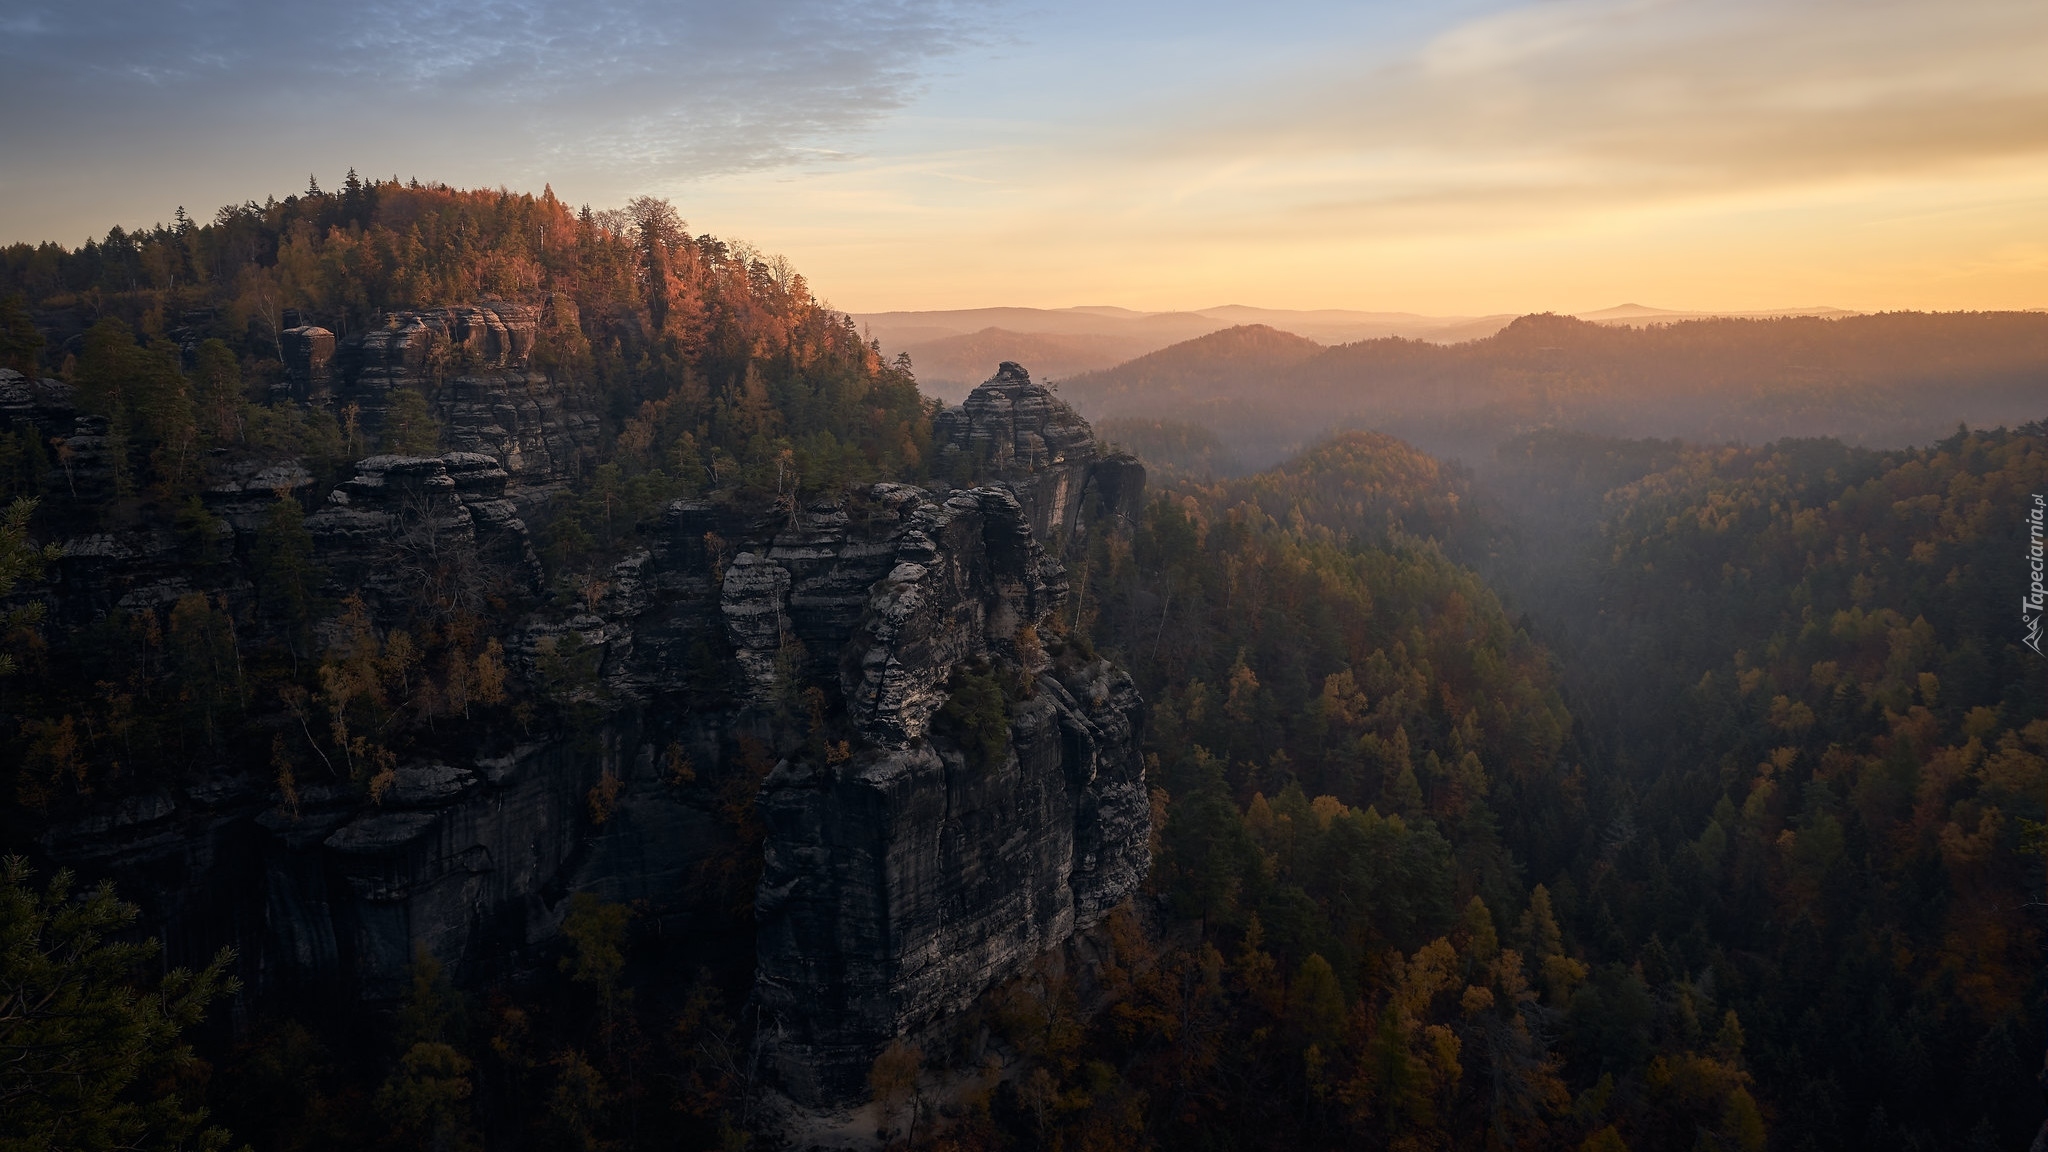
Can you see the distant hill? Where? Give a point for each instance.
(1213, 380)
(1882, 380)
(1342, 325)
(955, 349)
(944, 345)
(950, 366)
(1637, 315)
(1219, 365)
(897, 330)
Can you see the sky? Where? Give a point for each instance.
(1464, 157)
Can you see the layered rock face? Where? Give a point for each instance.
(308, 353)
(469, 858)
(901, 885)
(516, 437)
(1017, 431)
(904, 879)
(901, 874)
(473, 364)
(438, 528)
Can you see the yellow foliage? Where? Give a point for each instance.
(1476, 1000)
(1605, 1140)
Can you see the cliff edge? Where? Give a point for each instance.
(941, 790)
(926, 863)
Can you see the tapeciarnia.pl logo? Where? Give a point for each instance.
(2037, 596)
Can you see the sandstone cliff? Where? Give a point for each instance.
(907, 877)
(900, 873)
(1018, 433)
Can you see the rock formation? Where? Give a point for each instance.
(901, 874)
(308, 353)
(906, 878)
(1017, 432)
(473, 364)
(434, 526)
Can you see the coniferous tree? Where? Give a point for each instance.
(409, 426)
(21, 342)
(88, 1054)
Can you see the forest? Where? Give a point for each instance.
(1727, 837)
(1607, 793)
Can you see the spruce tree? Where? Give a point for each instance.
(88, 1053)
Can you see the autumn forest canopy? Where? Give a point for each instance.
(1584, 738)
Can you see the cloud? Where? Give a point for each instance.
(1711, 153)
(1589, 104)
(925, 150)
(646, 88)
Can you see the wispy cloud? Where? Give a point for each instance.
(1468, 155)
(1584, 104)
(651, 88)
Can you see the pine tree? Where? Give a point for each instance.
(409, 426)
(19, 559)
(87, 1057)
(21, 343)
(282, 557)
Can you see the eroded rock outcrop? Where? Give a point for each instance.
(1016, 432)
(308, 352)
(474, 366)
(902, 874)
(906, 876)
(438, 528)
(900, 885)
